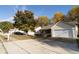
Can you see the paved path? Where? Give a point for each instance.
(31, 46)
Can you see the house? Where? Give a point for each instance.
(60, 29)
(46, 30)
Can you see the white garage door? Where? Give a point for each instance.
(63, 33)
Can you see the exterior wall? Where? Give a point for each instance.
(52, 32)
(75, 32)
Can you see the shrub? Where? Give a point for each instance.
(6, 26)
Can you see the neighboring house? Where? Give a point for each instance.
(61, 29)
(46, 30)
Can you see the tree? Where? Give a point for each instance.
(58, 17)
(24, 20)
(43, 21)
(74, 15)
(6, 26)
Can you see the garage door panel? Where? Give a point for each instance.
(63, 33)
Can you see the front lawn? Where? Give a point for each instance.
(21, 37)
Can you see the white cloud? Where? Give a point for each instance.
(10, 19)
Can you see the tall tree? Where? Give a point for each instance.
(74, 15)
(58, 17)
(24, 20)
(43, 21)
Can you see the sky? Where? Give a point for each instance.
(8, 11)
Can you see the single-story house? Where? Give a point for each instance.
(61, 29)
(46, 30)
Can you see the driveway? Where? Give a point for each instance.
(32, 46)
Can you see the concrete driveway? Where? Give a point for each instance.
(32, 46)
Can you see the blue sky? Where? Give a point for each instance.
(7, 11)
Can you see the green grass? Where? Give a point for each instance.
(21, 37)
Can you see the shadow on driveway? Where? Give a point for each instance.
(68, 46)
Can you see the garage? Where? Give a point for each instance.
(62, 29)
(63, 33)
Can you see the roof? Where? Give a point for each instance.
(47, 27)
(72, 23)
(64, 25)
